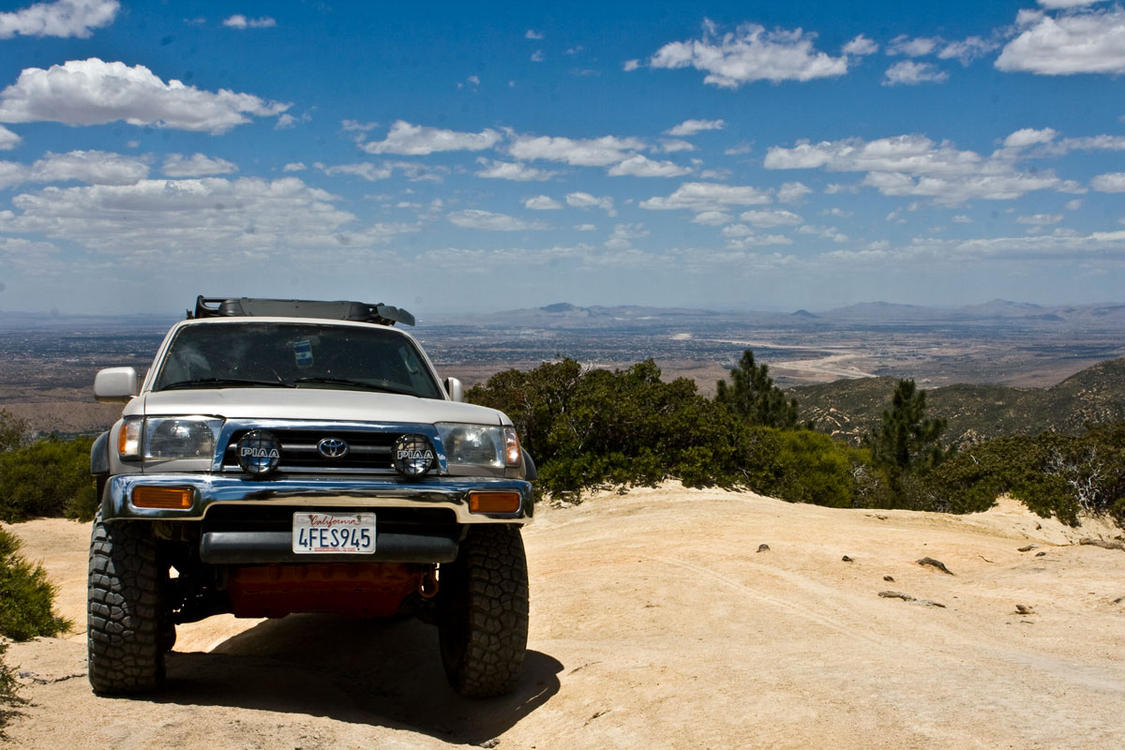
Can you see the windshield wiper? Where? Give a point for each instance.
(328, 380)
(226, 383)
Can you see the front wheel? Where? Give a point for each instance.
(482, 612)
(124, 636)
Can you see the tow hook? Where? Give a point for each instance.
(428, 584)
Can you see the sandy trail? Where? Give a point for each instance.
(657, 623)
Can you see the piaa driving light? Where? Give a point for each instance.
(413, 456)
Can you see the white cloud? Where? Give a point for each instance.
(1111, 182)
(585, 200)
(294, 166)
(834, 211)
(8, 139)
(542, 203)
(93, 92)
(962, 219)
(287, 121)
(771, 218)
(472, 218)
(92, 167)
(623, 235)
(197, 165)
(1040, 220)
(63, 18)
(584, 228)
(506, 170)
(913, 165)
(917, 47)
(1073, 205)
(355, 126)
(372, 172)
(537, 56)
(861, 46)
(757, 240)
(792, 192)
(420, 140)
(968, 49)
(631, 65)
(712, 218)
(589, 152)
(1025, 137)
(1083, 42)
(639, 165)
(533, 34)
(707, 196)
(674, 145)
(739, 150)
(1056, 4)
(751, 54)
(909, 73)
(691, 127)
(239, 21)
(194, 222)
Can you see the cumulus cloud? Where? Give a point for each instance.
(1111, 182)
(63, 18)
(585, 200)
(93, 92)
(1040, 220)
(968, 49)
(8, 139)
(472, 218)
(622, 236)
(861, 46)
(1091, 41)
(196, 165)
(294, 166)
(91, 167)
(771, 218)
(372, 172)
(588, 152)
(751, 53)
(195, 222)
(712, 218)
(1025, 137)
(507, 170)
(542, 203)
(533, 34)
(913, 165)
(672, 145)
(792, 192)
(420, 140)
(707, 196)
(239, 21)
(639, 165)
(916, 47)
(691, 127)
(630, 65)
(909, 73)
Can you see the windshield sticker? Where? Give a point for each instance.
(302, 353)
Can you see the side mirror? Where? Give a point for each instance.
(455, 390)
(115, 384)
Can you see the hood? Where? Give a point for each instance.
(312, 404)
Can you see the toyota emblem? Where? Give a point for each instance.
(331, 447)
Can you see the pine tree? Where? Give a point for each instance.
(906, 440)
(751, 394)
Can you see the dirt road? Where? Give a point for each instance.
(656, 622)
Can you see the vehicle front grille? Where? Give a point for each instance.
(368, 451)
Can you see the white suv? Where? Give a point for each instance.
(290, 456)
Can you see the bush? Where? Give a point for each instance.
(26, 596)
(50, 477)
(8, 695)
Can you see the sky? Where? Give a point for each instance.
(486, 156)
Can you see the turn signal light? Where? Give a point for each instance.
(164, 498)
(494, 502)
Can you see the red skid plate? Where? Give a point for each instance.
(358, 589)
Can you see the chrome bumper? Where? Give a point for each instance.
(214, 489)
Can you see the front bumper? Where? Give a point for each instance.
(209, 490)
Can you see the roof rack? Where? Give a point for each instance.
(228, 307)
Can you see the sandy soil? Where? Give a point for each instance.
(656, 622)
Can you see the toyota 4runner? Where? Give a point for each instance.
(287, 456)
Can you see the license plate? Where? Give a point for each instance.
(338, 533)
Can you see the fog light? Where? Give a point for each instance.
(494, 502)
(165, 498)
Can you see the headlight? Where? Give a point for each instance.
(480, 445)
(180, 437)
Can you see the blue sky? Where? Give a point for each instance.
(447, 156)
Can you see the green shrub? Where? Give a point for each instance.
(26, 596)
(9, 698)
(50, 477)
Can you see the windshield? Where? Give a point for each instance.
(295, 355)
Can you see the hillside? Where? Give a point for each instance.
(1096, 395)
(677, 632)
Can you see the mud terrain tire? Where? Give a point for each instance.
(123, 631)
(482, 612)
